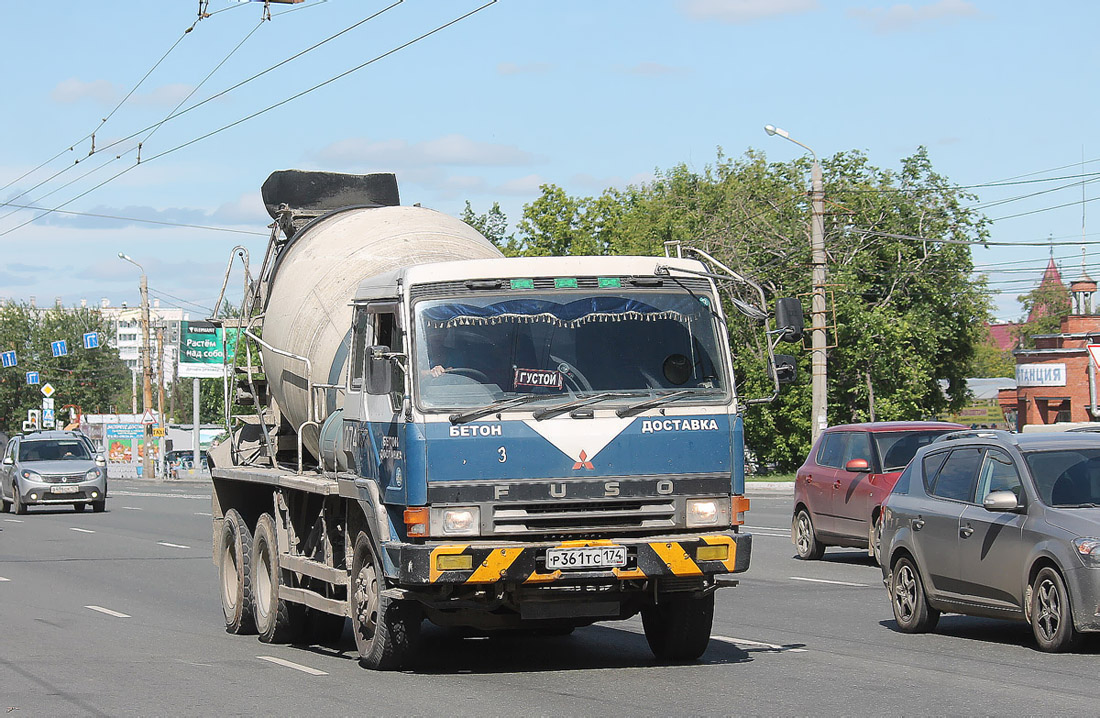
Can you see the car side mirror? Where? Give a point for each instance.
(789, 319)
(858, 466)
(99, 460)
(1000, 501)
(8, 461)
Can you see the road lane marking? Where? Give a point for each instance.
(202, 513)
(757, 644)
(108, 611)
(822, 580)
(14, 521)
(133, 508)
(2, 579)
(295, 666)
(768, 528)
(83, 531)
(150, 494)
(172, 545)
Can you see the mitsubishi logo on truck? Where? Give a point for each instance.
(583, 462)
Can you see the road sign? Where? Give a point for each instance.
(47, 403)
(91, 340)
(148, 418)
(33, 378)
(8, 358)
(1094, 352)
(47, 419)
(48, 390)
(60, 348)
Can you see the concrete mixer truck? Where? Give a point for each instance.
(497, 444)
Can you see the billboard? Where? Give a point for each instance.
(204, 349)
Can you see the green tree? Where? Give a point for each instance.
(211, 400)
(903, 309)
(93, 380)
(493, 225)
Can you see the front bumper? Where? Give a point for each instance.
(647, 558)
(41, 492)
(1083, 584)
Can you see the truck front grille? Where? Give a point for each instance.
(570, 517)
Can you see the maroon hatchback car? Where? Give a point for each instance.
(851, 469)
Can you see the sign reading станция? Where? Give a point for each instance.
(204, 349)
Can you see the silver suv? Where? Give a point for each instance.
(52, 467)
(988, 523)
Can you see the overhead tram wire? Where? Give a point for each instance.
(174, 298)
(91, 135)
(158, 222)
(267, 109)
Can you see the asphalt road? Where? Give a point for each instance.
(117, 614)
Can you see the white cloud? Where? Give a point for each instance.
(456, 150)
(903, 17)
(739, 12)
(248, 209)
(73, 90)
(530, 68)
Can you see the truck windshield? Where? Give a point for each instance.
(474, 350)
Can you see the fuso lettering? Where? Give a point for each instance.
(651, 425)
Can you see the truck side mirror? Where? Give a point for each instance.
(379, 371)
(785, 369)
(788, 319)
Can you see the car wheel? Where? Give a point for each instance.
(235, 572)
(99, 506)
(277, 620)
(876, 541)
(5, 505)
(386, 629)
(79, 508)
(911, 609)
(678, 629)
(17, 504)
(805, 539)
(1051, 618)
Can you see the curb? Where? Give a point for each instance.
(775, 488)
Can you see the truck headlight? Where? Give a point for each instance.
(708, 512)
(1088, 548)
(457, 521)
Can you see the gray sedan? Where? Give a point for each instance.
(52, 467)
(988, 523)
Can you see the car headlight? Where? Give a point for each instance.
(708, 512)
(30, 475)
(1088, 549)
(92, 475)
(456, 521)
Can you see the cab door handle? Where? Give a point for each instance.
(965, 531)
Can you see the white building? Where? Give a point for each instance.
(126, 321)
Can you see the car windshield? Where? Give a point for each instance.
(54, 450)
(898, 447)
(1067, 477)
(477, 350)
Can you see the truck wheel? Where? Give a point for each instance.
(235, 573)
(386, 629)
(678, 629)
(1051, 617)
(805, 538)
(17, 504)
(277, 620)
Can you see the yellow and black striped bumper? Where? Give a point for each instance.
(648, 557)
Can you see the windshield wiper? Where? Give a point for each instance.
(506, 403)
(550, 411)
(657, 401)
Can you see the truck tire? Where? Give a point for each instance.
(386, 629)
(678, 629)
(235, 574)
(277, 620)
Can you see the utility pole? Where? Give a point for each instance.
(146, 370)
(160, 388)
(819, 402)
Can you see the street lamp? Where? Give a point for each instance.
(818, 389)
(146, 369)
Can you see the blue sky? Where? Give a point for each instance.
(582, 94)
